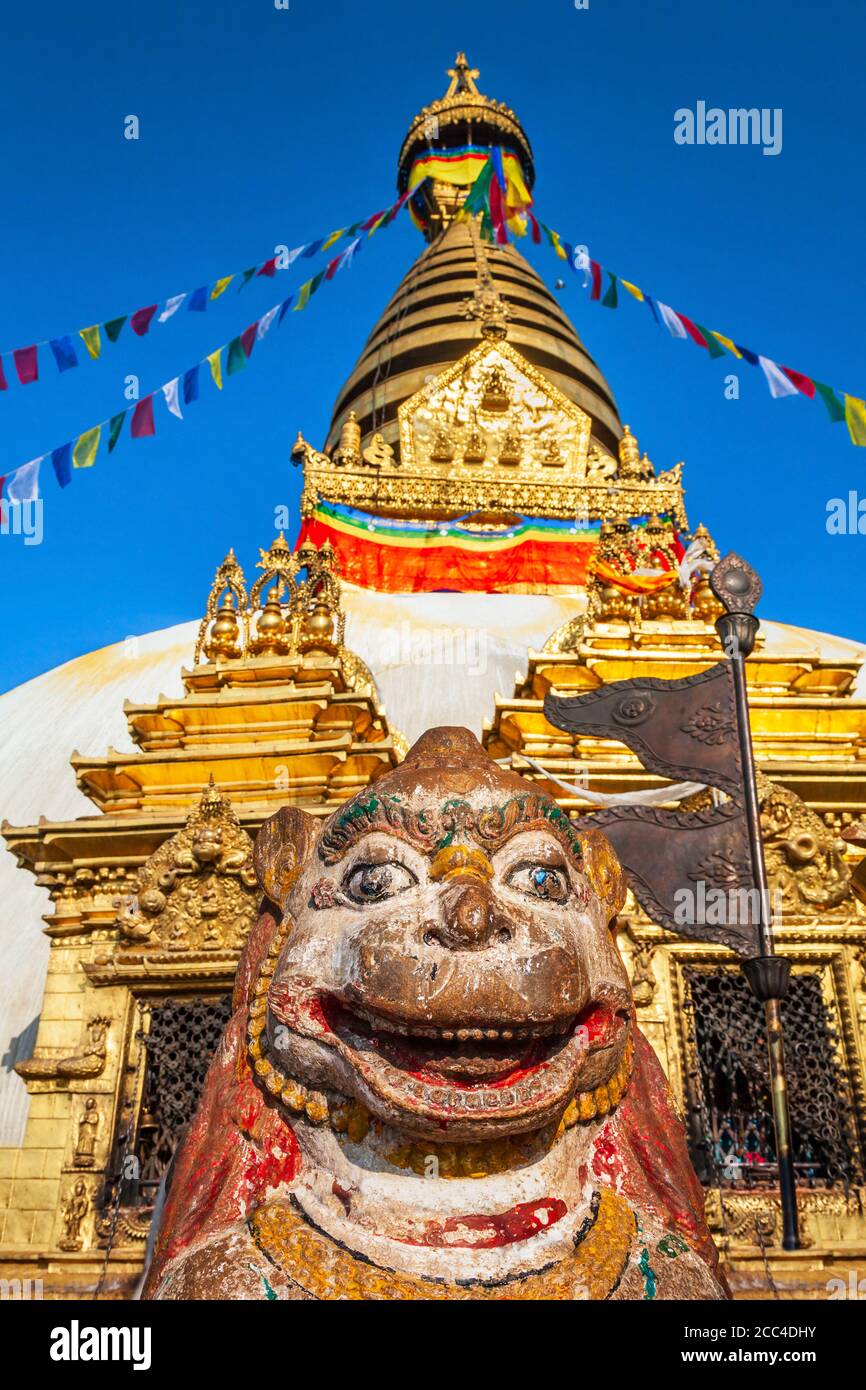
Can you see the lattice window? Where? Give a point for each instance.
(179, 1045)
(732, 1137)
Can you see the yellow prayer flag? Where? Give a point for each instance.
(727, 342)
(560, 250)
(216, 369)
(220, 286)
(303, 296)
(855, 418)
(335, 236)
(92, 340)
(632, 289)
(86, 445)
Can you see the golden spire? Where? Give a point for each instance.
(462, 78)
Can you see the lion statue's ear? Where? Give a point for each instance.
(603, 870)
(283, 846)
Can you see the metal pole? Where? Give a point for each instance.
(738, 588)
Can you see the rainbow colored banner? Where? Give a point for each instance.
(401, 557)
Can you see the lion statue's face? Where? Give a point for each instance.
(449, 962)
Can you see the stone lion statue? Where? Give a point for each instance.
(432, 1086)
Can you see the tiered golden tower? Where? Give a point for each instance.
(473, 395)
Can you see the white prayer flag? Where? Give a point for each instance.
(265, 322)
(671, 320)
(23, 484)
(778, 383)
(171, 307)
(172, 400)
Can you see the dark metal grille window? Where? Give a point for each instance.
(731, 1131)
(182, 1039)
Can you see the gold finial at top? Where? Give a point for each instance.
(462, 77)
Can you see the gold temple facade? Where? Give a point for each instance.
(473, 394)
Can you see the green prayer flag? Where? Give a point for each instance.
(316, 281)
(115, 425)
(478, 197)
(714, 347)
(247, 275)
(113, 327)
(835, 408)
(237, 357)
(611, 299)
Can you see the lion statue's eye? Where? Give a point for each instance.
(371, 883)
(540, 881)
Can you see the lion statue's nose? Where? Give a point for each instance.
(469, 919)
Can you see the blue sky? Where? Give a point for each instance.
(261, 126)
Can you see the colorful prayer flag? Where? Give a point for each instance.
(113, 327)
(671, 320)
(198, 300)
(115, 425)
(142, 419)
(303, 296)
(220, 286)
(216, 371)
(141, 319)
(835, 408)
(611, 299)
(27, 364)
(61, 462)
(595, 272)
(23, 484)
(728, 343)
(265, 322)
(633, 290)
(85, 447)
(170, 391)
(91, 340)
(802, 383)
(171, 307)
(693, 331)
(855, 417)
(284, 307)
(4, 384)
(778, 383)
(248, 338)
(714, 348)
(269, 268)
(236, 357)
(190, 385)
(64, 353)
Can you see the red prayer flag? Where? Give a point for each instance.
(802, 383)
(333, 266)
(693, 331)
(536, 230)
(142, 419)
(26, 364)
(269, 267)
(365, 226)
(141, 321)
(4, 385)
(248, 338)
(497, 212)
(595, 292)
